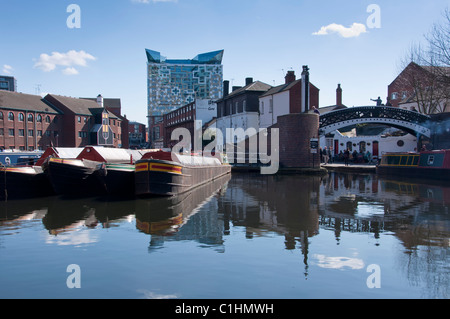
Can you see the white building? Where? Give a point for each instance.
(238, 113)
(286, 99)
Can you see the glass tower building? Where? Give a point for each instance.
(174, 83)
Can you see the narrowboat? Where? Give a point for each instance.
(16, 158)
(117, 179)
(426, 164)
(75, 176)
(167, 174)
(23, 182)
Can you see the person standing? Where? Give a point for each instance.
(346, 156)
(325, 155)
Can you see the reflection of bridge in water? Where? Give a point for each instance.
(412, 122)
(297, 206)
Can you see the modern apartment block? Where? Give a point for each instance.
(172, 83)
(8, 83)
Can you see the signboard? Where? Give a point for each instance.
(314, 145)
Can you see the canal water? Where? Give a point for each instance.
(246, 236)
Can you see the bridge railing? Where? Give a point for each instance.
(363, 112)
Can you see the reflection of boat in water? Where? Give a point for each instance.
(427, 164)
(167, 174)
(71, 213)
(165, 215)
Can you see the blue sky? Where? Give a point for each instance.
(262, 39)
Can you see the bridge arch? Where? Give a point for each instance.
(412, 122)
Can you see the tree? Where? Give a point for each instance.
(427, 70)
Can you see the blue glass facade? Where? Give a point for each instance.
(174, 83)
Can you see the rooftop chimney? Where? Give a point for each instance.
(226, 88)
(100, 100)
(248, 81)
(339, 95)
(290, 77)
(305, 89)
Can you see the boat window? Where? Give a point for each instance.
(394, 160)
(415, 160)
(403, 160)
(430, 160)
(409, 160)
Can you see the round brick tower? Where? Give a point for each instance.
(295, 132)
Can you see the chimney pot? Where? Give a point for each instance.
(290, 77)
(248, 81)
(339, 95)
(100, 100)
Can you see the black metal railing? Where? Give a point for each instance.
(366, 112)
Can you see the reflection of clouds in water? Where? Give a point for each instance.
(339, 262)
(151, 295)
(72, 238)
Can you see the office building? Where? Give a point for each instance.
(172, 83)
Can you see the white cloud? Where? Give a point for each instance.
(69, 59)
(70, 71)
(7, 69)
(353, 31)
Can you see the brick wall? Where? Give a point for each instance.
(37, 132)
(296, 130)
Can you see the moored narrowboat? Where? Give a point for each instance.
(426, 164)
(23, 182)
(75, 176)
(167, 174)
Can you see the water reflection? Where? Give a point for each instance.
(297, 208)
(365, 203)
(178, 218)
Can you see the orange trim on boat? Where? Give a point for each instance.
(158, 167)
(165, 168)
(141, 167)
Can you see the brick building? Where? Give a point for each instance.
(114, 106)
(27, 122)
(420, 88)
(203, 110)
(30, 122)
(137, 135)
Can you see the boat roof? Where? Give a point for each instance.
(60, 152)
(110, 155)
(189, 160)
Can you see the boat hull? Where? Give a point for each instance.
(166, 178)
(119, 180)
(415, 172)
(23, 182)
(75, 177)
